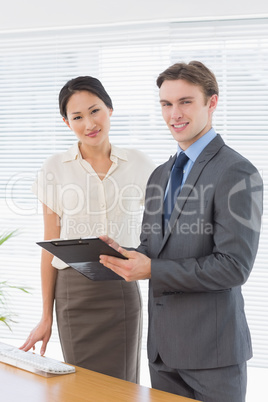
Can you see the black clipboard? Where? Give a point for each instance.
(83, 255)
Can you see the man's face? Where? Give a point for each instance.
(185, 110)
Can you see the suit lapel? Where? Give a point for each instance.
(166, 172)
(163, 180)
(206, 155)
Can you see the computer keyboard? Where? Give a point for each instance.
(32, 362)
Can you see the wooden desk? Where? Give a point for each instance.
(17, 385)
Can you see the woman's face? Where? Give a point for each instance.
(89, 118)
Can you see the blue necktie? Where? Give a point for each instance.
(174, 186)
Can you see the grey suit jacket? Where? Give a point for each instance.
(196, 309)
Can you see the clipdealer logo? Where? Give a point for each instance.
(71, 198)
(252, 185)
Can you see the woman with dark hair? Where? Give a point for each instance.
(94, 188)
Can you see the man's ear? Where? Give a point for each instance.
(66, 122)
(213, 102)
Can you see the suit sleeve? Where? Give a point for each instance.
(236, 203)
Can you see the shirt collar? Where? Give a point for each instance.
(118, 153)
(197, 147)
(73, 153)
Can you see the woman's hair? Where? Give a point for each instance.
(86, 83)
(195, 73)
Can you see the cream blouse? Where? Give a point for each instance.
(88, 206)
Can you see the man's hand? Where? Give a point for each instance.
(137, 266)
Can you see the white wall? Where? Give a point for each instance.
(18, 14)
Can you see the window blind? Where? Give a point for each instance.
(127, 59)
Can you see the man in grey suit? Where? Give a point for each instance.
(197, 258)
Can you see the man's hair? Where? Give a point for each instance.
(83, 83)
(195, 73)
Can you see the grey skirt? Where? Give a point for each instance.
(100, 324)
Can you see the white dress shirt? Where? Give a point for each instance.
(88, 206)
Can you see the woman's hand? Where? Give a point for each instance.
(42, 332)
